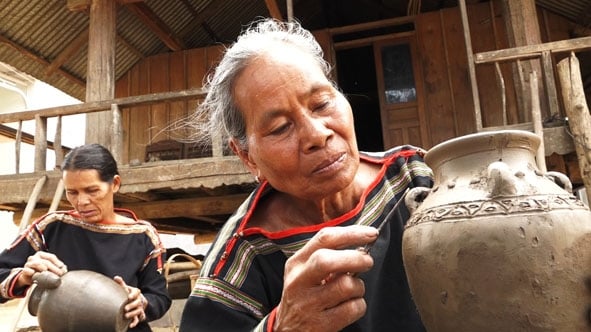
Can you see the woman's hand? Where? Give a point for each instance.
(39, 262)
(321, 290)
(136, 303)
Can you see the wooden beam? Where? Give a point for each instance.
(104, 105)
(274, 9)
(40, 60)
(78, 5)
(205, 173)
(73, 47)
(531, 51)
(154, 23)
(200, 17)
(187, 207)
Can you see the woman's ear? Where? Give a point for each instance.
(116, 183)
(243, 154)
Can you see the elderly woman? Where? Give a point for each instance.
(93, 236)
(289, 258)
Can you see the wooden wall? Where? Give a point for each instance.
(442, 51)
(445, 78)
(165, 72)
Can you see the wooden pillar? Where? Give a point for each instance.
(579, 119)
(100, 80)
(521, 22)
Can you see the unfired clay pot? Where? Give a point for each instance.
(496, 245)
(79, 301)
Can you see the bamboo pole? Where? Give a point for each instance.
(579, 119)
(31, 203)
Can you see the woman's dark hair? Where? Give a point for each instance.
(92, 156)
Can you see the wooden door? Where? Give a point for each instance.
(400, 95)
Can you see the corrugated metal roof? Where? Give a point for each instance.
(34, 32)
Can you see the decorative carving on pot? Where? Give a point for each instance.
(78, 301)
(497, 245)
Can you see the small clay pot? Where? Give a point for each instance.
(78, 301)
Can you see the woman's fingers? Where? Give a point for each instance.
(134, 309)
(324, 255)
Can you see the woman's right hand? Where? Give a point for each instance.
(321, 289)
(39, 262)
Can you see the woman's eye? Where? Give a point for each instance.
(279, 130)
(322, 106)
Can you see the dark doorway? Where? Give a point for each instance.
(357, 79)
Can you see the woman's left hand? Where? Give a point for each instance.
(136, 304)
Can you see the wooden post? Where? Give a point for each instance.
(471, 65)
(537, 121)
(17, 146)
(117, 127)
(579, 120)
(40, 143)
(521, 21)
(57, 143)
(100, 81)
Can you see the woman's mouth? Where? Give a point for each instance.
(330, 164)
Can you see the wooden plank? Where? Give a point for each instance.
(437, 90)
(490, 96)
(139, 115)
(178, 109)
(159, 82)
(471, 68)
(531, 51)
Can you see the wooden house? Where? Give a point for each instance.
(416, 72)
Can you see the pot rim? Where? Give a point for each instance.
(480, 142)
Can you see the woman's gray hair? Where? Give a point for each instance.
(219, 106)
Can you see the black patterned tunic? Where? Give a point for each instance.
(132, 251)
(241, 280)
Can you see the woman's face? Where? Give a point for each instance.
(299, 127)
(91, 197)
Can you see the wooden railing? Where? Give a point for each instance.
(41, 115)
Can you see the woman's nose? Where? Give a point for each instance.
(315, 134)
(83, 199)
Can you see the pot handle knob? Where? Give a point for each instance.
(502, 181)
(42, 281)
(560, 179)
(47, 280)
(415, 197)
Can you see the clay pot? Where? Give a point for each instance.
(496, 245)
(78, 301)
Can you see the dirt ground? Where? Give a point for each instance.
(9, 312)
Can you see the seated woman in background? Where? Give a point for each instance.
(94, 236)
(287, 260)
